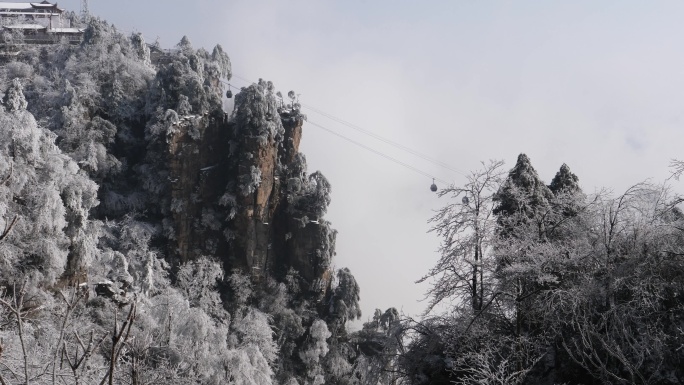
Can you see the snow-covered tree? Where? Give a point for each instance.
(312, 354)
(344, 301)
(522, 198)
(467, 226)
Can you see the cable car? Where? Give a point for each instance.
(465, 200)
(433, 187)
(229, 93)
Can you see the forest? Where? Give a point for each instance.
(147, 236)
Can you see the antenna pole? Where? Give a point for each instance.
(85, 12)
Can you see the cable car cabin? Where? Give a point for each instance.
(229, 94)
(433, 187)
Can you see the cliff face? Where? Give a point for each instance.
(238, 188)
(193, 161)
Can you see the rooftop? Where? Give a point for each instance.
(18, 7)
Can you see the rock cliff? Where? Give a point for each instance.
(238, 188)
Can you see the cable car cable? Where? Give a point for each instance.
(229, 94)
(433, 187)
(385, 140)
(373, 135)
(376, 152)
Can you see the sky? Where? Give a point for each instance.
(596, 85)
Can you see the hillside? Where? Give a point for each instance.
(151, 237)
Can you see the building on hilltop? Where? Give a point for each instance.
(35, 23)
(45, 14)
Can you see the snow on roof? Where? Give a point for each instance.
(27, 6)
(17, 6)
(25, 26)
(44, 4)
(67, 30)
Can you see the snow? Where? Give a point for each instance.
(25, 26)
(67, 30)
(208, 168)
(15, 6)
(25, 6)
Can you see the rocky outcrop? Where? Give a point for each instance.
(257, 195)
(194, 157)
(239, 190)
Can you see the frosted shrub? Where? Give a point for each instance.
(14, 97)
(19, 70)
(253, 328)
(250, 182)
(198, 280)
(315, 350)
(228, 200)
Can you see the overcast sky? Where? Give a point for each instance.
(596, 85)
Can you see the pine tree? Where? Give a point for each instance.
(522, 192)
(523, 199)
(564, 181)
(567, 201)
(344, 302)
(523, 211)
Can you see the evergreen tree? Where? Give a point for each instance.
(522, 201)
(568, 200)
(344, 302)
(14, 99)
(565, 181)
(522, 193)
